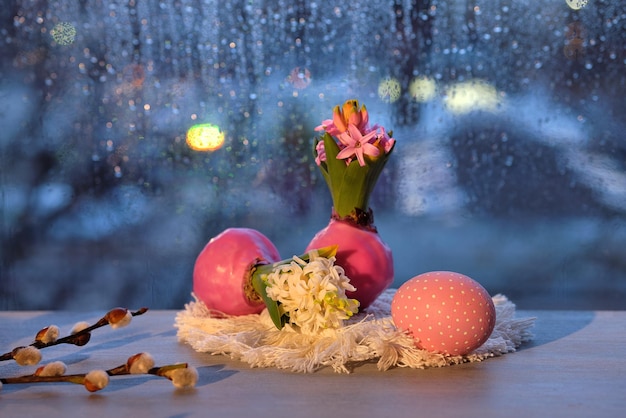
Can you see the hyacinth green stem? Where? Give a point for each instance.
(259, 282)
(350, 185)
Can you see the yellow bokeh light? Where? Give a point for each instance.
(472, 95)
(63, 33)
(423, 89)
(389, 90)
(205, 137)
(576, 4)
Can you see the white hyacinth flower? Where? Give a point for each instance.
(312, 294)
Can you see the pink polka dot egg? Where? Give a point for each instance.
(445, 312)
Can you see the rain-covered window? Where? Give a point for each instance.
(132, 131)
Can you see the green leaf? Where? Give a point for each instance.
(259, 282)
(350, 185)
(334, 166)
(260, 286)
(326, 252)
(323, 166)
(354, 192)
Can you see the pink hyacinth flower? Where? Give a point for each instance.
(358, 145)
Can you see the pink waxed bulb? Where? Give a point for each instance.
(366, 259)
(222, 273)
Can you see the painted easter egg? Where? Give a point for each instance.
(445, 312)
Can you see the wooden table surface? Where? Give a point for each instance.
(575, 367)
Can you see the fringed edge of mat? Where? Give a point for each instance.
(370, 336)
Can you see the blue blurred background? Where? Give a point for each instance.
(508, 115)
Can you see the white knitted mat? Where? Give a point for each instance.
(368, 337)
